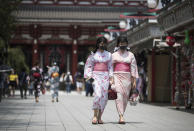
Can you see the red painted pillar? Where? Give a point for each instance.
(35, 52)
(153, 76)
(74, 57)
(35, 33)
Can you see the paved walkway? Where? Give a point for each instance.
(73, 113)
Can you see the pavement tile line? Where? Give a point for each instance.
(59, 117)
(106, 118)
(120, 127)
(7, 112)
(34, 105)
(84, 115)
(14, 120)
(74, 117)
(73, 113)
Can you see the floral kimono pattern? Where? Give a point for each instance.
(101, 78)
(122, 79)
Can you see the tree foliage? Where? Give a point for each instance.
(7, 19)
(16, 59)
(14, 56)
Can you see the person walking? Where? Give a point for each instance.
(79, 81)
(89, 87)
(54, 74)
(68, 82)
(99, 67)
(23, 84)
(125, 74)
(36, 76)
(13, 82)
(30, 85)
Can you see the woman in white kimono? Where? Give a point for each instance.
(54, 73)
(99, 67)
(125, 74)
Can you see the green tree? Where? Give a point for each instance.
(16, 59)
(7, 19)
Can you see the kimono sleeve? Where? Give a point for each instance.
(134, 70)
(88, 69)
(110, 66)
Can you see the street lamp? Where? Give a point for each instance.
(122, 24)
(152, 3)
(107, 36)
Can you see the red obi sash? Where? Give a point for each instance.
(122, 66)
(100, 66)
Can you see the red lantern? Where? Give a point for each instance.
(170, 40)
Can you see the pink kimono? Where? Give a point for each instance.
(124, 67)
(99, 67)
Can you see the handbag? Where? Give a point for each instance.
(112, 94)
(134, 97)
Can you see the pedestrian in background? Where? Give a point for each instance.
(54, 74)
(30, 85)
(99, 67)
(23, 83)
(125, 74)
(139, 86)
(13, 82)
(62, 82)
(4, 84)
(36, 77)
(68, 82)
(79, 81)
(89, 87)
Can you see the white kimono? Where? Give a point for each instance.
(101, 78)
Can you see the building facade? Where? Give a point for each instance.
(64, 30)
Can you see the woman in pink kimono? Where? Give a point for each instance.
(99, 67)
(125, 74)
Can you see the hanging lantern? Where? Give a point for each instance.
(107, 36)
(152, 3)
(122, 24)
(170, 40)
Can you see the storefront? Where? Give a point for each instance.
(177, 20)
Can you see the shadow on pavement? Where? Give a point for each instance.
(170, 106)
(125, 123)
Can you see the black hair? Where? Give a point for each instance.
(98, 41)
(121, 39)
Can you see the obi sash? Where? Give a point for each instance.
(100, 66)
(122, 66)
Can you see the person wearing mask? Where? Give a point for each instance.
(125, 74)
(99, 67)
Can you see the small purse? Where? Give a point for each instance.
(112, 95)
(134, 97)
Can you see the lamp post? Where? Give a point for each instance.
(122, 24)
(152, 3)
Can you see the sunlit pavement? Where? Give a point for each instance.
(73, 113)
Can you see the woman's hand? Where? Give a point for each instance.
(111, 81)
(133, 82)
(88, 78)
(134, 85)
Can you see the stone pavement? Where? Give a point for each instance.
(73, 113)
